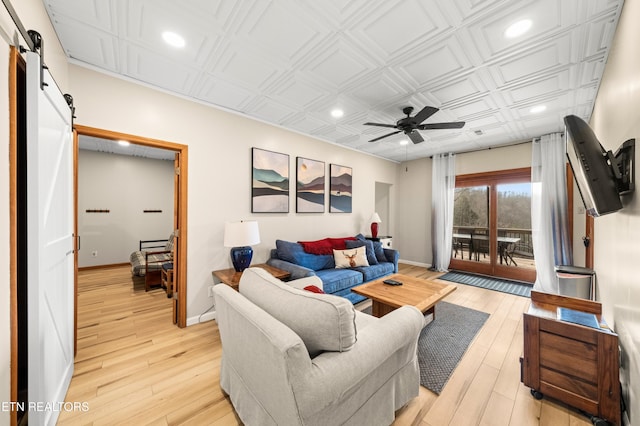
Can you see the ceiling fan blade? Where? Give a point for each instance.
(393, 126)
(415, 137)
(450, 125)
(382, 137)
(425, 113)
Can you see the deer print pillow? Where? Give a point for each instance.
(350, 258)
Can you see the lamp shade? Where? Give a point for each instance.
(375, 218)
(243, 233)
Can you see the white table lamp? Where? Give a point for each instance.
(241, 236)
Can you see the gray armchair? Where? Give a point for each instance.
(290, 356)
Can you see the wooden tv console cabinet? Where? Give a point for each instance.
(572, 363)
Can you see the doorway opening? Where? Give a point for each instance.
(179, 204)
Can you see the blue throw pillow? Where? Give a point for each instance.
(294, 253)
(371, 256)
(379, 251)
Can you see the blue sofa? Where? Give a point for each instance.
(292, 257)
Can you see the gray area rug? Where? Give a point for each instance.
(497, 284)
(443, 342)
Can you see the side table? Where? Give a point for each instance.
(231, 277)
(386, 240)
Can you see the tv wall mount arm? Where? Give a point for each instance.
(623, 166)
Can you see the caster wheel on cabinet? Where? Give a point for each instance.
(537, 395)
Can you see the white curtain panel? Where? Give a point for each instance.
(443, 183)
(549, 220)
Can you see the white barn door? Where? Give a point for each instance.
(50, 245)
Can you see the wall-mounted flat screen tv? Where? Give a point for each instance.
(600, 175)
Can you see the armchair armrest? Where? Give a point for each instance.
(296, 271)
(382, 349)
(301, 283)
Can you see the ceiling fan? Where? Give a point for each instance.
(410, 125)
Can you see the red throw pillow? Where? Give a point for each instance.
(314, 289)
(317, 247)
(339, 243)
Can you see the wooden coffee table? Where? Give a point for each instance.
(421, 293)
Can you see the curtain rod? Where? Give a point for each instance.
(18, 23)
(487, 148)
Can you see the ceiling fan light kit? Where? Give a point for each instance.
(410, 125)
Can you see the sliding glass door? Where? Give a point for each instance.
(492, 225)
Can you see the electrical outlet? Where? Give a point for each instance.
(94, 253)
(210, 291)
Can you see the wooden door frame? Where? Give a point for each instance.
(181, 262)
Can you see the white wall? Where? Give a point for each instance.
(33, 16)
(125, 186)
(219, 171)
(616, 118)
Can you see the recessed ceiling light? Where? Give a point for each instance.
(404, 142)
(337, 113)
(173, 39)
(537, 109)
(123, 143)
(518, 28)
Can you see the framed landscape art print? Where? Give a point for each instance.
(309, 186)
(270, 181)
(341, 188)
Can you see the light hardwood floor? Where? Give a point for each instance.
(135, 367)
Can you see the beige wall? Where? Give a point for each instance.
(220, 170)
(616, 118)
(505, 158)
(124, 185)
(413, 218)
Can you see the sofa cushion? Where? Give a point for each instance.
(324, 322)
(334, 280)
(371, 255)
(378, 249)
(376, 271)
(294, 253)
(350, 258)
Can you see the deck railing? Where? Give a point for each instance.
(523, 248)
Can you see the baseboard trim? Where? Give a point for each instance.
(201, 318)
(112, 265)
(411, 262)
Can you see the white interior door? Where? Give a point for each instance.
(50, 245)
